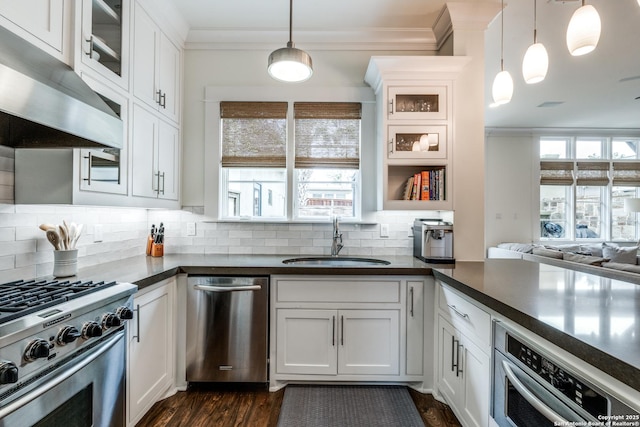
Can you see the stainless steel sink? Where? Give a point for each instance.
(335, 261)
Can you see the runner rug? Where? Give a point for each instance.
(348, 406)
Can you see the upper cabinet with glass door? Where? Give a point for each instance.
(417, 103)
(104, 38)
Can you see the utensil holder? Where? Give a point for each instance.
(65, 263)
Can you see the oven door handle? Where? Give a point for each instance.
(549, 413)
(227, 288)
(68, 373)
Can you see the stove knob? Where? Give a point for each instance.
(91, 330)
(8, 372)
(124, 313)
(36, 349)
(67, 335)
(110, 320)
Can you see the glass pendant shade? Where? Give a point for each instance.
(535, 63)
(502, 88)
(290, 64)
(583, 31)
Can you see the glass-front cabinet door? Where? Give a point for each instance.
(417, 103)
(417, 142)
(105, 38)
(105, 170)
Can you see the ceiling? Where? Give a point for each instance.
(597, 90)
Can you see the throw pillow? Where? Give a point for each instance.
(626, 255)
(584, 259)
(622, 267)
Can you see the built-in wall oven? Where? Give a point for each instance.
(531, 388)
(63, 353)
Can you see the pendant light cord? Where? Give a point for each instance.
(502, 37)
(535, 21)
(290, 44)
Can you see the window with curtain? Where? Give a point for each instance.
(254, 155)
(325, 163)
(583, 184)
(327, 159)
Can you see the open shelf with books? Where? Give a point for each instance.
(417, 187)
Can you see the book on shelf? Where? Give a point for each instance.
(428, 184)
(408, 189)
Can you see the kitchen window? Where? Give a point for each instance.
(327, 159)
(583, 184)
(313, 155)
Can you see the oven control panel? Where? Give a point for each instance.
(58, 333)
(582, 394)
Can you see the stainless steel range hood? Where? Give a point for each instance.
(45, 104)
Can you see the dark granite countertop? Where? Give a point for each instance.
(144, 271)
(595, 318)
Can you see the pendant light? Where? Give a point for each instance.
(583, 31)
(502, 89)
(536, 60)
(289, 64)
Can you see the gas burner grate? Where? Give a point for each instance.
(20, 297)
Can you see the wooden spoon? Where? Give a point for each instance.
(45, 227)
(78, 231)
(54, 238)
(64, 237)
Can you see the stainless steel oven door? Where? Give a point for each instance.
(520, 401)
(85, 391)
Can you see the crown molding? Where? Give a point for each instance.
(407, 39)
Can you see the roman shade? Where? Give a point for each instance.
(254, 134)
(626, 174)
(327, 135)
(592, 173)
(556, 173)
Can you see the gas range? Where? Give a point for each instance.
(46, 323)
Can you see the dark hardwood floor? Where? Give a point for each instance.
(251, 407)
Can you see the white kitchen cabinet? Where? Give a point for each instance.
(155, 148)
(415, 122)
(103, 39)
(348, 328)
(156, 66)
(44, 23)
(463, 375)
(463, 369)
(151, 348)
(338, 342)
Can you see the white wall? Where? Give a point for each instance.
(509, 200)
(249, 68)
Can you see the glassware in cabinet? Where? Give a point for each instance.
(417, 103)
(417, 142)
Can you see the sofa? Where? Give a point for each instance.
(604, 259)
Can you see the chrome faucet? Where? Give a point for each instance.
(336, 244)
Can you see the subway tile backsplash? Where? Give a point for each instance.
(25, 253)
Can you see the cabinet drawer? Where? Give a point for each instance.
(320, 291)
(464, 315)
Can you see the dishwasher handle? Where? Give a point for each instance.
(209, 288)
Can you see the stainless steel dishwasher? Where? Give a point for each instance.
(227, 329)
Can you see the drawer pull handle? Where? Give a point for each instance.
(411, 294)
(333, 331)
(458, 312)
(458, 364)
